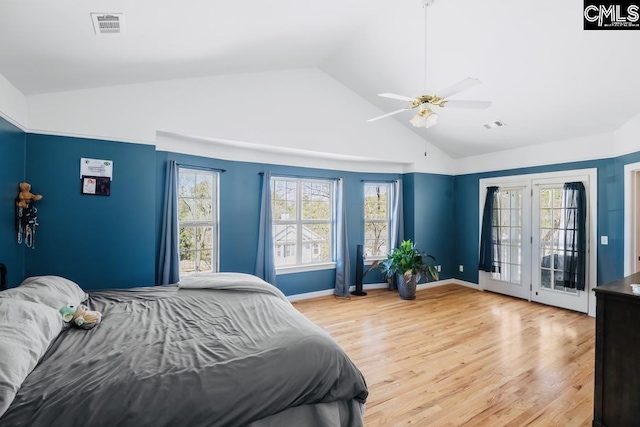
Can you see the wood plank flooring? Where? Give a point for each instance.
(457, 356)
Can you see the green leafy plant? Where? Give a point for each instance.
(407, 260)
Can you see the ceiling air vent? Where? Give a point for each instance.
(108, 23)
(496, 124)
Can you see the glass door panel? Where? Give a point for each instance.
(549, 232)
(511, 278)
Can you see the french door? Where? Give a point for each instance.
(548, 233)
(513, 208)
(531, 235)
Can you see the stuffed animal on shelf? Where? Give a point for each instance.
(26, 196)
(81, 316)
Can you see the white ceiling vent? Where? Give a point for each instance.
(496, 124)
(108, 23)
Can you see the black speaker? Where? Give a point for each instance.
(3, 277)
(359, 272)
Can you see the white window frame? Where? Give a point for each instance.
(389, 186)
(214, 223)
(300, 266)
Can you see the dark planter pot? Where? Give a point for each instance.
(407, 290)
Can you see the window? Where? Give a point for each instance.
(198, 220)
(302, 212)
(377, 217)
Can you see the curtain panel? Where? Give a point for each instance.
(265, 263)
(343, 264)
(168, 257)
(575, 239)
(490, 234)
(397, 224)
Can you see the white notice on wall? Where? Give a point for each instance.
(96, 167)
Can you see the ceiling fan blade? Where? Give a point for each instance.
(458, 87)
(478, 105)
(388, 114)
(394, 96)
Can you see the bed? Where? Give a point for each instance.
(220, 349)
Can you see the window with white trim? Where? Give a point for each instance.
(198, 220)
(302, 218)
(377, 219)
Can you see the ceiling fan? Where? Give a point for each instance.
(426, 117)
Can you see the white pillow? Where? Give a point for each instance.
(53, 291)
(26, 331)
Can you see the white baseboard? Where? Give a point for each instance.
(465, 283)
(326, 292)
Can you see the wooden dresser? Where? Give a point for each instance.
(617, 367)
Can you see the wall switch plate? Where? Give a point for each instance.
(604, 240)
(439, 268)
(461, 268)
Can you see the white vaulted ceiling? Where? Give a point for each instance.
(549, 80)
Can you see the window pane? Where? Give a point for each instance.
(316, 243)
(557, 197)
(545, 218)
(204, 185)
(545, 198)
(186, 209)
(204, 209)
(187, 262)
(556, 218)
(316, 201)
(284, 240)
(375, 239)
(376, 201)
(204, 237)
(283, 199)
(205, 261)
(186, 184)
(187, 239)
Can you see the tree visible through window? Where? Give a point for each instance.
(377, 208)
(198, 220)
(302, 211)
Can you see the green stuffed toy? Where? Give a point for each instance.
(67, 313)
(81, 316)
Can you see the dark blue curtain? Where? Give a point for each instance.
(168, 258)
(490, 234)
(265, 263)
(575, 238)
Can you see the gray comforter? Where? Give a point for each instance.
(165, 356)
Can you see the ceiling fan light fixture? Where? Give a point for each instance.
(425, 118)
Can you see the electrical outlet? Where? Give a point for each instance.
(439, 268)
(461, 268)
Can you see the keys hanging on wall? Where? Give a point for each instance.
(26, 223)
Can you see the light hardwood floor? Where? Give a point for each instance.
(457, 356)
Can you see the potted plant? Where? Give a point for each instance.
(408, 264)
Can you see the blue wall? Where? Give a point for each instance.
(12, 151)
(111, 242)
(610, 214)
(96, 241)
(428, 203)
